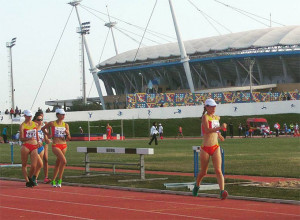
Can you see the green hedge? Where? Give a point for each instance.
(191, 126)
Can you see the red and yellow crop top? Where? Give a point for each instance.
(213, 122)
(29, 130)
(58, 130)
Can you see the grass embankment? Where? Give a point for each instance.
(256, 156)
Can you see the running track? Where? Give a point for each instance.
(69, 202)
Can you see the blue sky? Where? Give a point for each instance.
(38, 25)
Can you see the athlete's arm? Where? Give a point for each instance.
(46, 128)
(68, 138)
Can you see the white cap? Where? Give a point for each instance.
(60, 111)
(27, 113)
(210, 102)
(79, 127)
(159, 124)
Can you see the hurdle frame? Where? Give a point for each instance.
(116, 150)
(196, 151)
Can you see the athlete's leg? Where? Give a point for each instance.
(45, 160)
(39, 164)
(217, 163)
(34, 160)
(24, 157)
(60, 162)
(204, 160)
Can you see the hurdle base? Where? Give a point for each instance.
(190, 186)
(141, 180)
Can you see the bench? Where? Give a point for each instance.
(116, 150)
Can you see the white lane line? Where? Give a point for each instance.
(176, 203)
(46, 213)
(109, 207)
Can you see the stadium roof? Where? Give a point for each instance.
(270, 37)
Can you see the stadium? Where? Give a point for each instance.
(218, 64)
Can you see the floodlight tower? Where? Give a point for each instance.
(184, 58)
(110, 25)
(83, 30)
(9, 45)
(93, 68)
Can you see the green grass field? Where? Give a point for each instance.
(277, 157)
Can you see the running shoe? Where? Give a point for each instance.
(195, 190)
(31, 182)
(223, 194)
(47, 180)
(28, 184)
(53, 183)
(59, 183)
(34, 180)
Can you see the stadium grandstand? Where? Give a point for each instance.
(215, 62)
(218, 64)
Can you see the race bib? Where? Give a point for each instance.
(41, 136)
(60, 132)
(215, 124)
(31, 133)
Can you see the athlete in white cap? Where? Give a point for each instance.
(210, 146)
(60, 134)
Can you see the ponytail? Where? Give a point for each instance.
(204, 111)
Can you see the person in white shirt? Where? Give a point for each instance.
(153, 133)
(161, 131)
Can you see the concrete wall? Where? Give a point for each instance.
(237, 109)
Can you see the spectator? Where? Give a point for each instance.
(80, 130)
(11, 112)
(6, 112)
(285, 129)
(277, 128)
(224, 132)
(48, 110)
(292, 128)
(240, 129)
(180, 132)
(109, 131)
(160, 130)
(4, 134)
(296, 130)
(231, 129)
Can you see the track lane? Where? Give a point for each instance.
(95, 203)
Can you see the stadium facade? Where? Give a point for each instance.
(215, 62)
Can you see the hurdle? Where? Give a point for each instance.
(196, 150)
(116, 150)
(12, 144)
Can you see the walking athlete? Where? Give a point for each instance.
(30, 143)
(210, 147)
(60, 135)
(43, 140)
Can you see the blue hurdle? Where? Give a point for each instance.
(196, 150)
(12, 156)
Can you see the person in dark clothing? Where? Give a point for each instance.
(153, 133)
(4, 134)
(230, 129)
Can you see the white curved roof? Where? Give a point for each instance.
(287, 35)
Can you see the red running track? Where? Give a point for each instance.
(69, 202)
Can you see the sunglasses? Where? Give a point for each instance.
(39, 119)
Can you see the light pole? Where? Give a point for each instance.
(9, 45)
(83, 30)
(140, 74)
